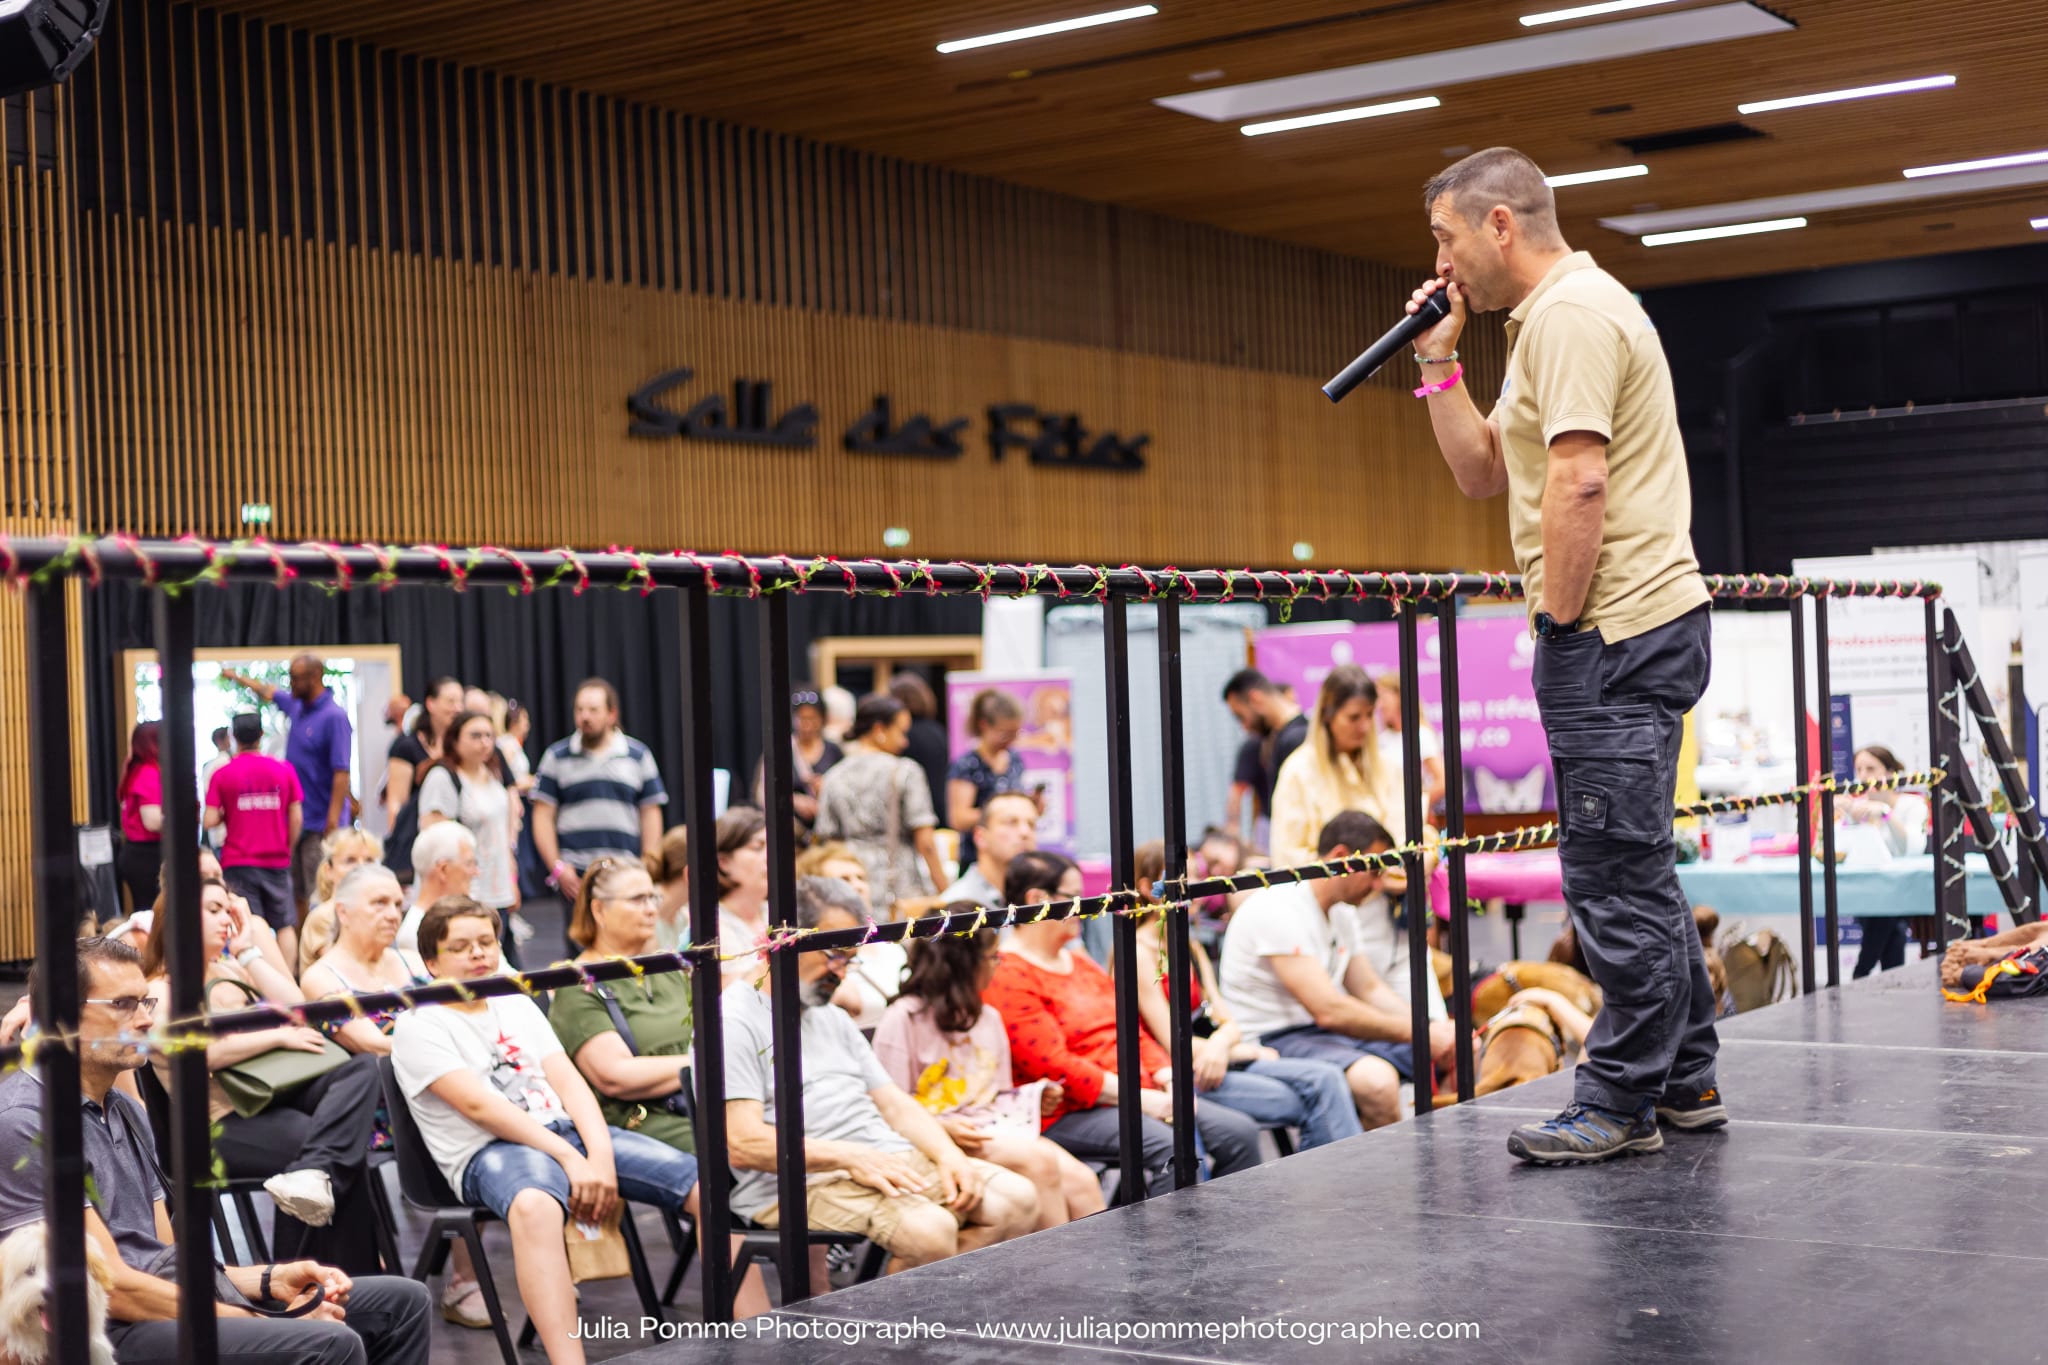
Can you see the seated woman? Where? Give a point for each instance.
(512, 1125)
(947, 1049)
(313, 1143)
(1311, 1096)
(341, 853)
(1900, 819)
(742, 892)
(1059, 1010)
(670, 869)
(631, 1038)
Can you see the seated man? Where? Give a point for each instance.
(1294, 976)
(375, 1318)
(1009, 826)
(443, 864)
(880, 1165)
(512, 1124)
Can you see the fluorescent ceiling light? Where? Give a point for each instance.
(2038, 224)
(1860, 92)
(1057, 26)
(1823, 201)
(1731, 230)
(1594, 177)
(1370, 81)
(1339, 116)
(1558, 16)
(1988, 164)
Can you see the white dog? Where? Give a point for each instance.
(24, 1290)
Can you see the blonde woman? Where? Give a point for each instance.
(1338, 769)
(341, 853)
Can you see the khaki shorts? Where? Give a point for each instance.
(846, 1205)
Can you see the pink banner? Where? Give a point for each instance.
(1507, 761)
(1045, 746)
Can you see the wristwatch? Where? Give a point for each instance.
(1548, 627)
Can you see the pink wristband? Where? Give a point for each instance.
(1442, 384)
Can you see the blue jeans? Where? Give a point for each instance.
(1311, 1096)
(650, 1172)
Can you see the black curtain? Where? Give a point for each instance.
(535, 648)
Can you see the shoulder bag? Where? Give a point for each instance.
(254, 1083)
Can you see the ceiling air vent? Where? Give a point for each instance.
(1709, 135)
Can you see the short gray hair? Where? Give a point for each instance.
(441, 843)
(356, 884)
(1498, 175)
(817, 895)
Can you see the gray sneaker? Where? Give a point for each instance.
(1584, 1134)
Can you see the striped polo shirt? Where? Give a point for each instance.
(597, 795)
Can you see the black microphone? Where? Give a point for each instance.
(1434, 309)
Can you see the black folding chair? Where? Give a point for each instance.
(449, 1219)
(237, 1192)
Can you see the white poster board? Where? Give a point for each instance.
(1877, 647)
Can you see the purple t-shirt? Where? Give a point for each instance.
(254, 796)
(317, 748)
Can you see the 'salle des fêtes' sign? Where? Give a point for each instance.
(749, 417)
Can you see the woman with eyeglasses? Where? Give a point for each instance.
(949, 1051)
(312, 1143)
(631, 1038)
(814, 755)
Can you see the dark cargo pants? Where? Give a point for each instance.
(1614, 715)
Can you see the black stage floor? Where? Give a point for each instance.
(1871, 1202)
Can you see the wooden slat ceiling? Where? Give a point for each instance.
(1074, 112)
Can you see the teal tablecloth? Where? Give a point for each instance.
(1770, 886)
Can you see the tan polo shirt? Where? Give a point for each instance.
(1585, 357)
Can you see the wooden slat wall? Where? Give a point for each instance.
(37, 448)
(348, 282)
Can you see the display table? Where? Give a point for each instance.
(1749, 889)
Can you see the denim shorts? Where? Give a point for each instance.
(1311, 1044)
(649, 1172)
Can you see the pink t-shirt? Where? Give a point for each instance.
(964, 1074)
(254, 796)
(147, 790)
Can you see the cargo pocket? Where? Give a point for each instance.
(1607, 781)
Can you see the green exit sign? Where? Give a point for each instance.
(256, 514)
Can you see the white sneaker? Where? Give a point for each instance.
(306, 1195)
(522, 931)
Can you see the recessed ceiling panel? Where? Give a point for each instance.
(1464, 65)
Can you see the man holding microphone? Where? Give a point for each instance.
(1584, 440)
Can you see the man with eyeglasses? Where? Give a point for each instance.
(880, 1165)
(350, 1320)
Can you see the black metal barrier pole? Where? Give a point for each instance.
(1116, 655)
(1454, 829)
(714, 1178)
(778, 785)
(2025, 811)
(1802, 766)
(1986, 834)
(191, 1132)
(2021, 727)
(57, 996)
(1942, 817)
(1415, 902)
(1829, 898)
(1180, 964)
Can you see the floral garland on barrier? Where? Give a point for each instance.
(83, 556)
